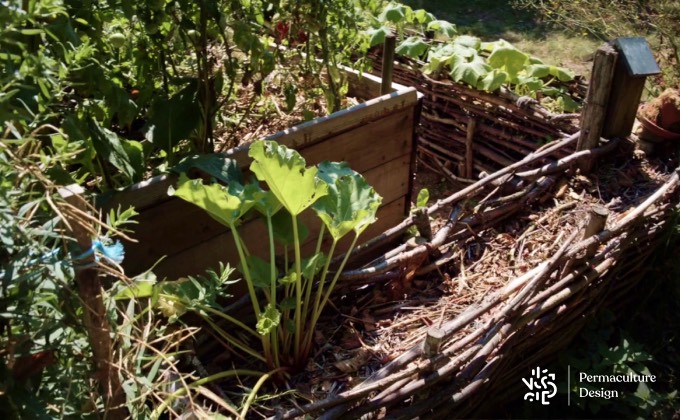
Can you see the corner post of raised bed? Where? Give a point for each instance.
(94, 312)
(597, 98)
(388, 64)
(597, 220)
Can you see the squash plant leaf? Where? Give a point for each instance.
(351, 204)
(442, 27)
(493, 80)
(544, 70)
(509, 59)
(377, 36)
(470, 72)
(538, 70)
(468, 41)
(216, 165)
(268, 320)
(220, 204)
(260, 271)
(562, 74)
(413, 47)
(395, 13)
(284, 171)
(532, 84)
(490, 46)
(423, 17)
(283, 228)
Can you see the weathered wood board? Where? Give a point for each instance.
(376, 138)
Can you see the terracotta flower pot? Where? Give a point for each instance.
(654, 133)
(660, 118)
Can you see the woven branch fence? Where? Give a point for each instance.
(578, 244)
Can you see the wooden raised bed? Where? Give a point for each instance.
(376, 138)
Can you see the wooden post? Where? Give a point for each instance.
(388, 64)
(596, 222)
(94, 312)
(433, 341)
(595, 108)
(472, 124)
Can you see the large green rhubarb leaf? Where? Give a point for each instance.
(220, 204)
(351, 204)
(286, 175)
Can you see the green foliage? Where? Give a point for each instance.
(342, 200)
(133, 87)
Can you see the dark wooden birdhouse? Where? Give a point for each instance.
(634, 64)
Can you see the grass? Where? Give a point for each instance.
(494, 19)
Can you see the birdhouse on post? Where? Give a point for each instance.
(634, 63)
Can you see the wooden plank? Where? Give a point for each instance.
(320, 129)
(367, 146)
(221, 248)
(176, 225)
(154, 191)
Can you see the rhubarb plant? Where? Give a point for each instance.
(296, 290)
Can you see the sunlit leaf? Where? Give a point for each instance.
(377, 36)
(470, 72)
(351, 204)
(422, 16)
(490, 46)
(220, 204)
(413, 47)
(509, 59)
(395, 13)
(493, 80)
(468, 41)
(423, 198)
(442, 27)
(284, 171)
(268, 320)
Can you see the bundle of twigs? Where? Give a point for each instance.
(576, 265)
